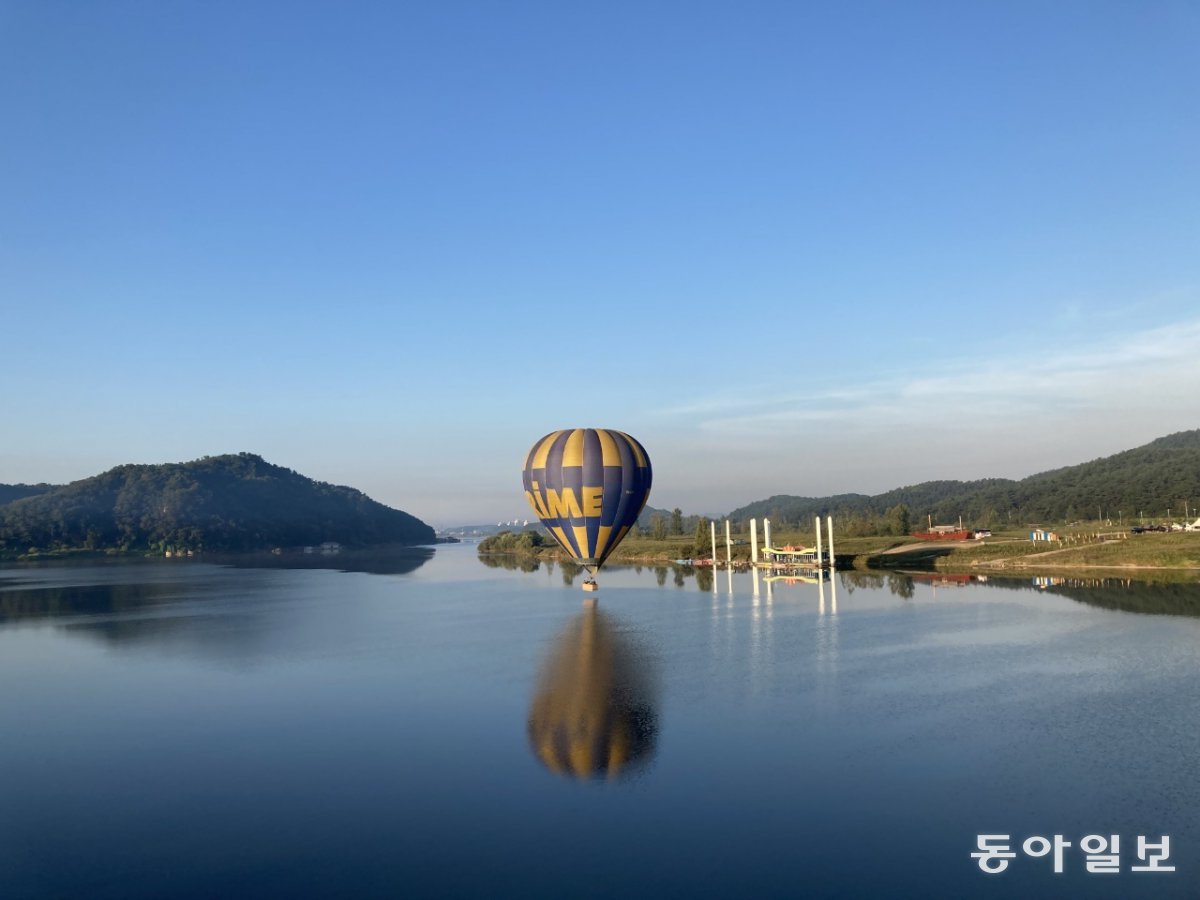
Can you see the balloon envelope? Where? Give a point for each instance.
(588, 486)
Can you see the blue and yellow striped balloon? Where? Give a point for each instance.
(588, 486)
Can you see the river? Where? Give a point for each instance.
(440, 727)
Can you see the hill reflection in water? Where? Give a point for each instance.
(104, 588)
(1171, 598)
(594, 711)
(1175, 597)
(398, 560)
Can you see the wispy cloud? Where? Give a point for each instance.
(1145, 368)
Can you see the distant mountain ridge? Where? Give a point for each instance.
(234, 502)
(1162, 474)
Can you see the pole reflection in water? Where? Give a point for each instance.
(721, 619)
(827, 640)
(595, 710)
(762, 641)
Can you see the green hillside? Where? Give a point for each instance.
(1162, 474)
(225, 503)
(10, 492)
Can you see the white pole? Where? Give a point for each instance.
(713, 527)
(767, 533)
(818, 520)
(728, 547)
(832, 560)
(754, 541)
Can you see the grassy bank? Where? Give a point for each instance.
(1147, 551)
(1077, 550)
(67, 553)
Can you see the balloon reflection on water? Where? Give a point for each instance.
(594, 712)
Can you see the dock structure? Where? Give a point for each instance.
(790, 556)
(765, 556)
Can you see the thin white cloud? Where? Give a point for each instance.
(1146, 368)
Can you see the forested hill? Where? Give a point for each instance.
(1149, 479)
(234, 503)
(10, 492)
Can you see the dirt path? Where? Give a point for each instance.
(1004, 562)
(940, 545)
(909, 548)
(1001, 563)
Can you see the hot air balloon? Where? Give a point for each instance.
(588, 486)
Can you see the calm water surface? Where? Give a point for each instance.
(182, 729)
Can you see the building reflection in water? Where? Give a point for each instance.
(594, 712)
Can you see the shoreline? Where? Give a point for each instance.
(862, 563)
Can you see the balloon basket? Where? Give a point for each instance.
(590, 585)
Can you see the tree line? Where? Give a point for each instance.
(1143, 483)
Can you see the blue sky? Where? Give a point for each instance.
(793, 248)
